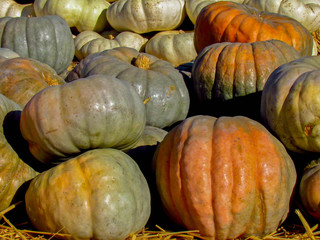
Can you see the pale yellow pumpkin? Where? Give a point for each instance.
(10, 8)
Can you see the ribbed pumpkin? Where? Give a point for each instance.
(84, 15)
(290, 106)
(101, 194)
(160, 86)
(143, 16)
(227, 177)
(88, 42)
(47, 39)
(13, 171)
(10, 8)
(22, 78)
(175, 46)
(228, 21)
(227, 70)
(309, 189)
(95, 112)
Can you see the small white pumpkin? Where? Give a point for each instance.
(142, 16)
(175, 46)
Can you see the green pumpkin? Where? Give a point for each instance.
(99, 111)
(101, 194)
(160, 86)
(47, 39)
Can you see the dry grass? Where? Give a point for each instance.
(9, 231)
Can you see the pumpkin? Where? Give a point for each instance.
(150, 136)
(10, 8)
(84, 15)
(290, 104)
(309, 189)
(143, 16)
(8, 53)
(175, 46)
(88, 42)
(47, 39)
(99, 111)
(160, 86)
(100, 194)
(22, 78)
(227, 21)
(228, 70)
(14, 172)
(227, 177)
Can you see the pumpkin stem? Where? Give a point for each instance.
(142, 61)
(312, 164)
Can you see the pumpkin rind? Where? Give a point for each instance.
(94, 112)
(10, 8)
(142, 16)
(22, 78)
(160, 86)
(13, 171)
(290, 104)
(228, 21)
(228, 70)
(101, 194)
(47, 39)
(214, 176)
(85, 15)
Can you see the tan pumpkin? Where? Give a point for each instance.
(143, 16)
(10, 8)
(227, 177)
(13, 171)
(21, 78)
(175, 46)
(88, 42)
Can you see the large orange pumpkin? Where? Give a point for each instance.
(227, 177)
(226, 21)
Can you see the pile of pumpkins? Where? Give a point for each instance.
(219, 98)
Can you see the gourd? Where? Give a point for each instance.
(150, 136)
(175, 46)
(99, 111)
(8, 53)
(47, 39)
(160, 86)
(84, 15)
(228, 21)
(100, 194)
(229, 70)
(13, 171)
(22, 78)
(10, 8)
(88, 42)
(143, 16)
(227, 177)
(290, 106)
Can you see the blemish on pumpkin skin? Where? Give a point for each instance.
(308, 129)
(171, 89)
(146, 100)
(53, 130)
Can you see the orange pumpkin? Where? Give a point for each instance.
(227, 177)
(226, 21)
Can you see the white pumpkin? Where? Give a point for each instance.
(174, 46)
(84, 15)
(89, 42)
(10, 8)
(142, 16)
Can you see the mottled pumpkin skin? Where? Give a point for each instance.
(160, 86)
(13, 171)
(100, 194)
(309, 189)
(290, 105)
(228, 70)
(227, 21)
(228, 177)
(22, 78)
(47, 39)
(94, 112)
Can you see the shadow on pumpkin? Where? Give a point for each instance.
(12, 133)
